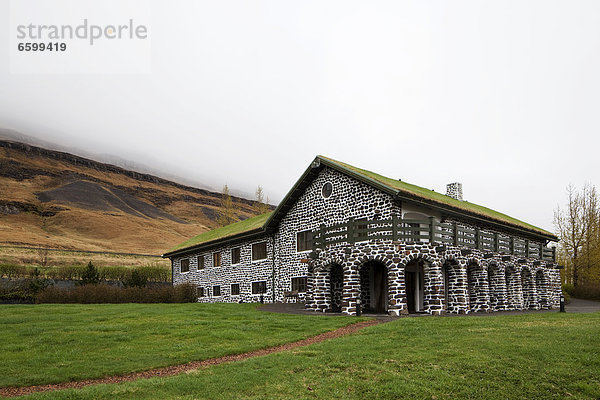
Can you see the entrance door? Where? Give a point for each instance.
(413, 275)
(373, 287)
(336, 285)
(379, 302)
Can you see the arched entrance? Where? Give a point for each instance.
(477, 287)
(529, 298)
(542, 289)
(414, 280)
(496, 287)
(374, 287)
(514, 297)
(336, 285)
(450, 275)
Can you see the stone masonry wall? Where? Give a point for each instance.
(469, 287)
(244, 273)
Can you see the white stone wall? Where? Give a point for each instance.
(349, 199)
(479, 282)
(244, 273)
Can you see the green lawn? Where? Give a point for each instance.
(58, 343)
(534, 356)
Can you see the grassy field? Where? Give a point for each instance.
(57, 343)
(29, 257)
(534, 356)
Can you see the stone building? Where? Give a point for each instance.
(344, 237)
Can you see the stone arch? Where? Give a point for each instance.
(514, 294)
(374, 284)
(454, 277)
(318, 281)
(542, 286)
(496, 286)
(528, 289)
(431, 281)
(477, 286)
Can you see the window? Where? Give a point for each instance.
(304, 241)
(299, 284)
(235, 289)
(217, 259)
(327, 190)
(235, 255)
(185, 265)
(200, 292)
(200, 262)
(259, 287)
(216, 290)
(259, 251)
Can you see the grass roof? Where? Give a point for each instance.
(223, 232)
(431, 195)
(394, 185)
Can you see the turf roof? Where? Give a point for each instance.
(223, 232)
(259, 222)
(431, 195)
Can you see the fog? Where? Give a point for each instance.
(501, 96)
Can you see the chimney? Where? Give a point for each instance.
(454, 190)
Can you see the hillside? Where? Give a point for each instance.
(55, 199)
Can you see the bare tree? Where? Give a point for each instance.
(42, 256)
(227, 214)
(569, 225)
(259, 203)
(579, 232)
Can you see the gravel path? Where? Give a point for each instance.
(178, 369)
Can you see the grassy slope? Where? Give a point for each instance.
(437, 197)
(535, 356)
(57, 343)
(112, 230)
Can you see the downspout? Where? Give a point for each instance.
(273, 257)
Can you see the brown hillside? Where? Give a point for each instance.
(59, 200)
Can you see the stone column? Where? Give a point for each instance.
(434, 288)
(396, 292)
(351, 290)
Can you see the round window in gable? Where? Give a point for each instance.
(327, 189)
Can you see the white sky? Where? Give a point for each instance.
(502, 96)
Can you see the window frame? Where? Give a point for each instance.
(305, 278)
(218, 289)
(258, 293)
(181, 271)
(323, 190)
(215, 255)
(253, 252)
(201, 292)
(238, 289)
(298, 241)
(200, 261)
(239, 255)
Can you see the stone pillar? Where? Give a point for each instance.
(396, 292)
(434, 288)
(478, 294)
(497, 287)
(351, 290)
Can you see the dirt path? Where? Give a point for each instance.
(178, 369)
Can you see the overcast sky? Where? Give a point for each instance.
(501, 96)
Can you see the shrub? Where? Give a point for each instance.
(135, 280)
(568, 288)
(90, 275)
(102, 293)
(20, 292)
(589, 292)
(12, 271)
